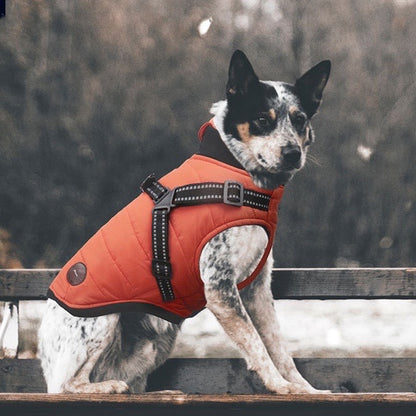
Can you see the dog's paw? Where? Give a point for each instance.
(103, 387)
(296, 388)
(280, 387)
(316, 391)
(117, 386)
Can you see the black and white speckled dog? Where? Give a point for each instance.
(266, 128)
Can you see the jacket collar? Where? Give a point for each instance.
(211, 145)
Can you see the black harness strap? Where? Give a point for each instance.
(230, 193)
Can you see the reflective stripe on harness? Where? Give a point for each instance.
(229, 193)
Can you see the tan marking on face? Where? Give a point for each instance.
(305, 137)
(300, 140)
(244, 132)
(292, 110)
(272, 114)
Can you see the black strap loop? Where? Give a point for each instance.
(153, 188)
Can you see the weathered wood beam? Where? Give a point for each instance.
(25, 284)
(204, 405)
(360, 283)
(220, 376)
(353, 283)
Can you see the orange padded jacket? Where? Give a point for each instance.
(112, 271)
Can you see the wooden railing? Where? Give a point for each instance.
(363, 385)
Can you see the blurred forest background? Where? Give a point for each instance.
(97, 94)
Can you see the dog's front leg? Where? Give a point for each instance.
(230, 312)
(258, 300)
(224, 261)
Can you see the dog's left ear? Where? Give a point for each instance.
(241, 75)
(310, 86)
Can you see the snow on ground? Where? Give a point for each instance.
(311, 328)
(318, 329)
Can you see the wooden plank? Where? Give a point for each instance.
(352, 375)
(353, 283)
(358, 283)
(219, 376)
(216, 376)
(182, 404)
(21, 376)
(180, 399)
(25, 284)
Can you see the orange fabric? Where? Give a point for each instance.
(118, 257)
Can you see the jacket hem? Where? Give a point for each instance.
(92, 312)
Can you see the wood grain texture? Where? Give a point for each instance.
(25, 284)
(183, 404)
(354, 283)
(360, 283)
(220, 376)
(184, 399)
(21, 376)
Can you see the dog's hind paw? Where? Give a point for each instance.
(117, 386)
(103, 387)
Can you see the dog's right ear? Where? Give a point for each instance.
(241, 76)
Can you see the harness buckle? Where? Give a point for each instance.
(233, 198)
(166, 202)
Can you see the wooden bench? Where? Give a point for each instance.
(363, 385)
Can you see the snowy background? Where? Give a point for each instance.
(356, 328)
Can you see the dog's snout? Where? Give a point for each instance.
(292, 155)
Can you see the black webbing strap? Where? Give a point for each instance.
(161, 267)
(229, 192)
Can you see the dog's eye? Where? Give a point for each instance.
(262, 122)
(298, 120)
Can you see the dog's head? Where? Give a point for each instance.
(266, 124)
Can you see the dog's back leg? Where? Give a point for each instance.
(145, 342)
(69, 348)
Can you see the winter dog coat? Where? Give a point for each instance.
(112, 272)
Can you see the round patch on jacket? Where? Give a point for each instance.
(77, 274)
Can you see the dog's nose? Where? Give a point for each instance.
(292, 155)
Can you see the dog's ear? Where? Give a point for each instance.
(241, 76)
(309, 87)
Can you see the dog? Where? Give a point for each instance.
(265, 126)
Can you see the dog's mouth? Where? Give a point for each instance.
(270, 180)
(290, 167)
(272, 176)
